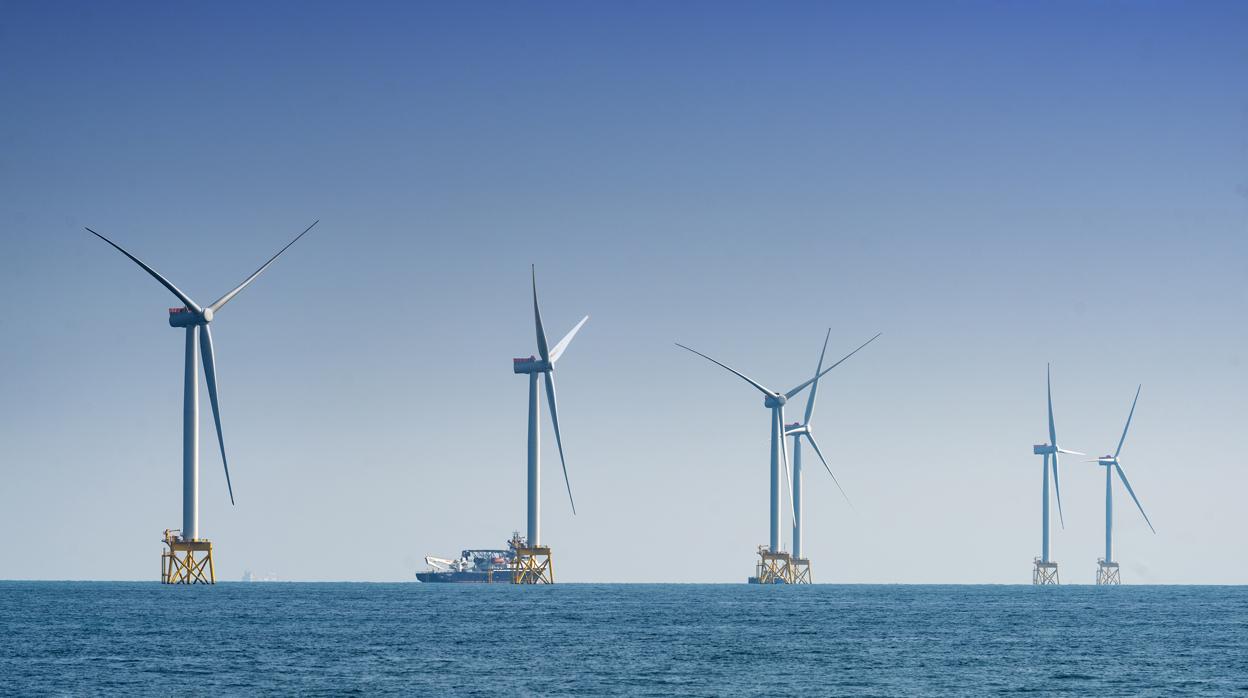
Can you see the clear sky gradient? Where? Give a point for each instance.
(991, 185)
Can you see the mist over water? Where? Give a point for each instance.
(572, 639)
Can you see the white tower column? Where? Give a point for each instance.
(1044, 546)
(1109, 515)
(777, 443)
(534, 472)
(190, 438)
(797, 497)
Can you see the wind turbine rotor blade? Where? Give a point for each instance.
(554, 419)
(1124, 429)
(226, 298)
(1058, 489)
(567, 339)
(542, 350)
(1071, 453)
(739, 374)
(186, 300)
(1048, 381)
(814, 387)
(819, 375)
(788, 475)
(1123, 477)
(811, 438)
(210, 375)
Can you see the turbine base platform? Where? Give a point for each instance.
(532, 566)
(1107, 573)
(801, 570)
(1044, 573)
(772, 567)
(186, 561)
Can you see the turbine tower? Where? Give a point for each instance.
(774, 564)
(178, 563)
(1045, 570)
(1107, 568)
(532, 564)
(801, 564)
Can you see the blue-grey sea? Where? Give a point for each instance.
(592, 640)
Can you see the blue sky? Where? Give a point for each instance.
(991, 185)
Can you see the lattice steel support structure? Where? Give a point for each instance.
(532, 566)
(186, 561)
(1044, 573)
(801, 570)
(773, 567)
(1107, 573)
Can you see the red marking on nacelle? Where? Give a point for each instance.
(524, 361)
(174, 311)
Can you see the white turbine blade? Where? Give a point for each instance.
(1058, 489)
(542, 350)
(554, 419)
(186, 300)
(210, 374)
(788, 476)
(819, 375)
(1048, 381)
(1129, 416)
(1071, 453)
(741, 375)
(814, 387)
(1123, 477)
(226, 298)
(567, 339)
(811, 438)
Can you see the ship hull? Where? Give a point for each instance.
(468, 577)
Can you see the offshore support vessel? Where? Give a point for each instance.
(474, 566)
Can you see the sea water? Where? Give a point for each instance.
(590, 640)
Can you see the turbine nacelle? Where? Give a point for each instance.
(1047, 450)
(774, 400)
(795, 429)
(1106, 460)
(531, 364)
(185, 317)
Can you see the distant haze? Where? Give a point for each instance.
(991, 185)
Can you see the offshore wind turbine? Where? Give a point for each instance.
(1045, 570)
(178, 564)
(798, 430)
(775, 401)
(1107, 569)
(533, 562)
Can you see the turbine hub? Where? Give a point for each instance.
(207, 315)
(776, 400)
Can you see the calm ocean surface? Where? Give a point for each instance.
(144, 638)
